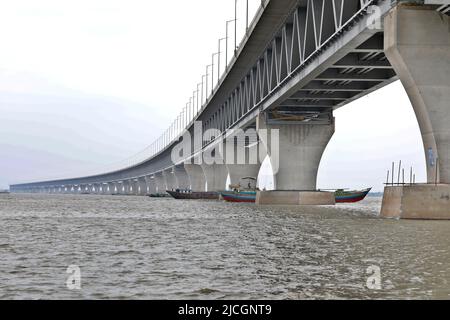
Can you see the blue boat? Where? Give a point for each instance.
(239, 196)
(350, 196)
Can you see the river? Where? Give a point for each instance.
(130, 247)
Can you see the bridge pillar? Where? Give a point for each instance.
(243, 160)
(295, 157)
(169, 177)
(136, 186)
(182, 178)
(151, 184)
(129, 187)
(112, 188)
(142, 186)
(417, 44)
(216, 176)
(87, 189)
(133, 187)
(121, 187)
(196, 177)
(160, 182)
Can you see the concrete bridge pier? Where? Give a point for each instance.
(169, 178)
(295, 157)
(182, 178)
(151, 185)
(243, 160)
(196, 177)
(104, 188)
(417, 44)
(112, 188)
(133, 187)
(142, 186)
(123, 187)
(161, 186)
(216, 176)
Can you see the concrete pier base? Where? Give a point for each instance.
(196, 177)
(302, 198)
(431, 202)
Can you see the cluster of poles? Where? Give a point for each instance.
(401, 175)
(401, 171)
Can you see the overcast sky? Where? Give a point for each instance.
(85, 84)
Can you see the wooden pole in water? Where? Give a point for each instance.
(393, 169)
(399, 169)
(403, 176)
(414, 178)
(410, 176)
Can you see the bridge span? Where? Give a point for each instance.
(299, 61)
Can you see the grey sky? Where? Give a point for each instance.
(84, 84)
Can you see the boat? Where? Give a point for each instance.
(159, 195)
(343, 196)
(4, 192)
(239, 196)
(193, 195)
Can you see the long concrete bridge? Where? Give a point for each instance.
(299, 61)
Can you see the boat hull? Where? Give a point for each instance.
(352, 197)
(246, 197)
(194, 195)
(159, 195)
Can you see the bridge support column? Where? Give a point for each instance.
(417, 44)
(124, 187)
(243, 161)
(160, 182)
(295, 157)
(169, 177)
(196, 177)
(112, 188)
(133, 187)
(216, 176)
(151, 185)
(181, 177)
(142, 186)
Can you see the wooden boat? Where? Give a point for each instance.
(343, 196)
(239, 196)
(193, 195)
(159, 195)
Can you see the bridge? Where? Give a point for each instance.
(298, 62)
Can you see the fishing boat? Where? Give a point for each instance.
(193, 195)
(239, 196)
(343, 196)
(159, 195)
